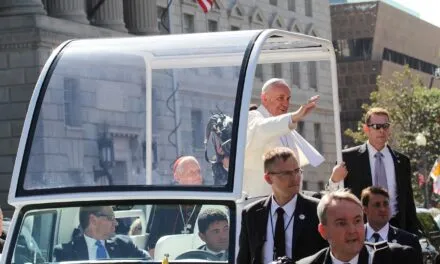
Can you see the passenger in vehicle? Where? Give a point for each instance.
(214, 231)
(135, 227)
(98, 240)
(175, 219)
(376, 203)
(272, 126)
(219, 129)
(341, 223)
(286, 222)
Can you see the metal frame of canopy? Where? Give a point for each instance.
(267, 46)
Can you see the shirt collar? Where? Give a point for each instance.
(263, 111)
(289, 208)
(214, 252)
(372, 151)
(91, 242)
(383, 232)
(337, 261)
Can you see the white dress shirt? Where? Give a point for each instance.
(289, 209)
(337, 261)
(92, 247)
(389, 170)
(383, 232)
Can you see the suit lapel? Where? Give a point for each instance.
(363, 256)
(298, 221)
(401, 191)
(392, 234)
(367, 179)
(110, 246)
(80, 248)
(261, 216)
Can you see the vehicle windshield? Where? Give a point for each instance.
(149, 232)
(97, 115)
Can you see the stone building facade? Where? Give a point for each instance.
(31, 29)
(374, 38)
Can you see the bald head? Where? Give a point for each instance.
(187, 171)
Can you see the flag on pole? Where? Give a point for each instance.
(206, 5)
(435, 175)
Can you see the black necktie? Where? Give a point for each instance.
(280, 241)
(376, 237)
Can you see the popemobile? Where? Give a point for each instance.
(109, 133)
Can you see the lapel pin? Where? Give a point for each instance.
(394, 241)
(302, 217)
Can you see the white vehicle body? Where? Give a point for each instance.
(56, 165)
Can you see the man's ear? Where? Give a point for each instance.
(365, 128)
(202, 237)
(263, 97)
(267, 178)
(322, 231)
(364, 209)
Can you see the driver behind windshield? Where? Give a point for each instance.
(98, 239)
(214, 231)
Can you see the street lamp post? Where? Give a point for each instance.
(421, 142)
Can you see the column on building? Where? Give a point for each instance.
(73, 10)
(141, 17)
(21, 7)
(109, 15)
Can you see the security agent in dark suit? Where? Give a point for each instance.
(376, 163)
(262, 237)
(341, 224)
(99, 240)
(375, 201)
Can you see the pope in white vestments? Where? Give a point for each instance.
(271, 126)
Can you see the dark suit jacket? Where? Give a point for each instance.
(396, 235)
(167, 220)
(359, 177)
(117, 247)
(387, 253)
(306, 239)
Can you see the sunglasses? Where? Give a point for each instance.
(379, 126)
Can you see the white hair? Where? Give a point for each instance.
(271, 82)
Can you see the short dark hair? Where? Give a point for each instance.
(208, 217)
(85, 212)
(273, 155)
(367, 192)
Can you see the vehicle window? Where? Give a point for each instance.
(184, 232)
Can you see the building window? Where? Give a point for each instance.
(318, 136)
(291, 5)
(188, 23)
(212, 25)
(163, 23)
(259, 72)
(321, 186)
(197, 129)
(273, 2)
(235, 28)
(300, 128)
(305, 185)
(277, 70)
(311, 73)
(72, 104)
(309, 8)
(413, 63)
(295, 73)
(353, 48)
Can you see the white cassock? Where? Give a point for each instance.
(264, 133)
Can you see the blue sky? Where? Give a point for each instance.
(427, 9)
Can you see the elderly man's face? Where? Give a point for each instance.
(188, 173)
(276, 99)
(104, 223)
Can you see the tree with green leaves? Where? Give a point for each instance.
(414, 109)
